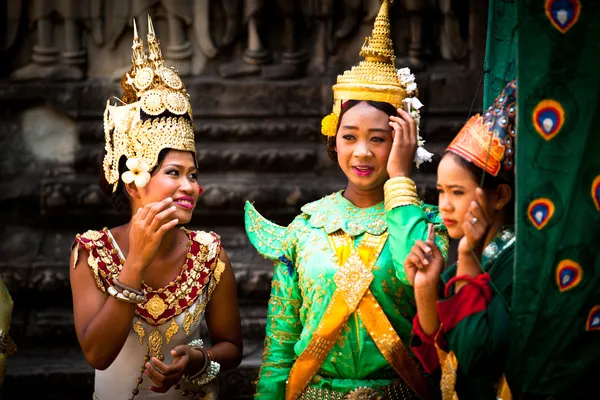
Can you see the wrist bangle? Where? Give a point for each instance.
(126, 288)
(205, 363)
(136, 299)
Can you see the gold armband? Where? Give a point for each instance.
(400, 191)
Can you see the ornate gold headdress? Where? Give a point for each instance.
(155, 115)
(488, 140)
(376, 79)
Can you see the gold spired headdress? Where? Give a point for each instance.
(155, 115)
(375, 78)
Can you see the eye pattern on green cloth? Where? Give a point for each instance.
(593, 320)
(548, 118)
(540, 211)
(568, 275)
(596, 192)
(563, 14)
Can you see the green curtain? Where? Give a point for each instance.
(555, 318)
(501, 49)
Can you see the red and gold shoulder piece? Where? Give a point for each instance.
(200, 267)
(206, 246)
(103, 259)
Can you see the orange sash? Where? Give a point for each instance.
(353, 279)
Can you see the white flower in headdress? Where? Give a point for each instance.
(404, 73)
(138, 172)
(407, 79)
(414, 102)
(422, 155)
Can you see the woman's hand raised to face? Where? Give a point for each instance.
(148, 226)
(476, 226)
(404, 146)
(424, 263)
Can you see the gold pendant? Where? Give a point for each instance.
(139, 329)
(155, 344)
(187, 322)
(171, 330)
(197, 311)
(155, 306)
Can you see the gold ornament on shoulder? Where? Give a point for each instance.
(152, 102)
(363, 394)
(143, 78)
(176, 102)
(204, 238)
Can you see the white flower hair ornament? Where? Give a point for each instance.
(138, 172)
(407, 79)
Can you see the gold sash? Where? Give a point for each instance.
(449, 365)
(353, 279)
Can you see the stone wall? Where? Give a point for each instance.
(259, 78)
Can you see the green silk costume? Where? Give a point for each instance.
(303, 286)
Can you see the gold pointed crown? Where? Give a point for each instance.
(375, 78)
(155, 114)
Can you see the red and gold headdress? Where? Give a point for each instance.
(488, 141)
(376, 79)
(155, 114)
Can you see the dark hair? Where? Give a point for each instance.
(120, 198)
(381, 106)
(490, 182)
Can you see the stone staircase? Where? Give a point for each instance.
(257, 141)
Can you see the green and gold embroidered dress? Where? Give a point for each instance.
(303, 286)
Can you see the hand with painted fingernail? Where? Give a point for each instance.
(404, 145)
(425, 262)
(475, 226)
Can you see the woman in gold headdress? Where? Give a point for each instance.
(140, 290)
(339, 316)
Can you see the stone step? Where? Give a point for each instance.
(209, 97)
(223, 200)
(229, 130)
(34, 262)
(55, 373)
(54, 325)
(223, 157)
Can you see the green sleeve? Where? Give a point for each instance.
(479, 340)
(283, 331)
(406, 225)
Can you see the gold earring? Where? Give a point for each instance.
(498, 206)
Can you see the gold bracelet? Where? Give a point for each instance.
(401, 201)
(392, 182)
(401, 192)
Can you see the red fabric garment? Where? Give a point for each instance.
(423, 346)
(471, 299)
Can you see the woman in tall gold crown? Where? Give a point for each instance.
(340, 311)
(141, 290)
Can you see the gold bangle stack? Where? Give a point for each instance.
(400, 191)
